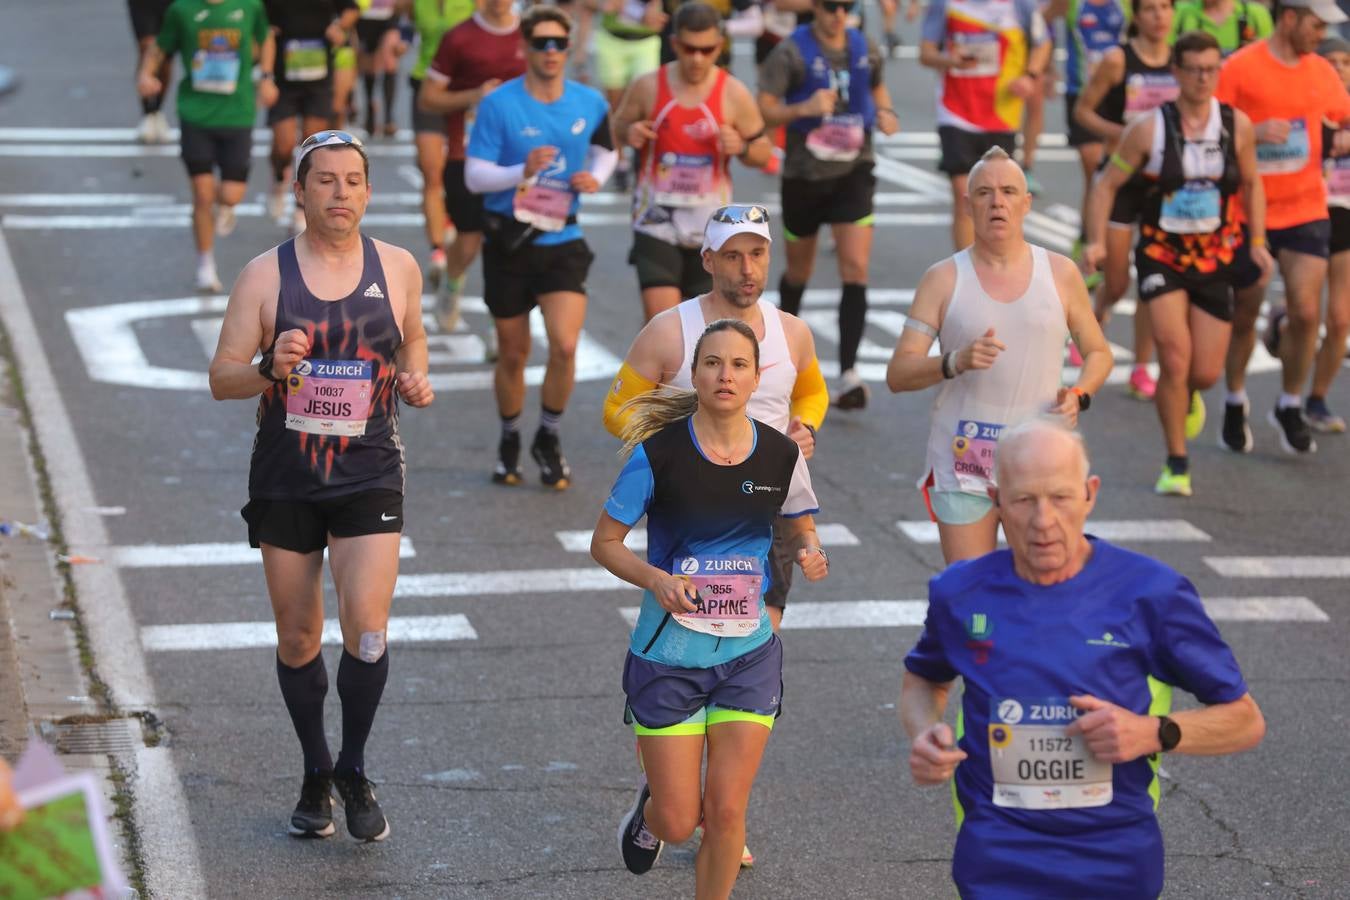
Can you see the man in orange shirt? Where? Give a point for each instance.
(1288, 91)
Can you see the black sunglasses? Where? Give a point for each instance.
(834, 6)
(697, 50)
(544, 44)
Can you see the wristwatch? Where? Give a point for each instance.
(1169, 733)
(265, 367)
(1084, 399)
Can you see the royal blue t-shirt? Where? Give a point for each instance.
(698, 509)
(510, 123)
(1125, 629)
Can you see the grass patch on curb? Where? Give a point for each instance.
(12, 392)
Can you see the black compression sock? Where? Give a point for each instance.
(369, 82)
(790, 296)
(852, 320)
(390, 86)
(1179, 465)
(360, 686)
(304, 689)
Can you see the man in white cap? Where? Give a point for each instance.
(792, 394)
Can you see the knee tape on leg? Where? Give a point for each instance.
(371, 647)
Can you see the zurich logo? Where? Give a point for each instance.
(303, 367)
(689, 566)
(1010, 711)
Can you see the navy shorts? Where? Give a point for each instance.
(1312, 238)
(672, 700)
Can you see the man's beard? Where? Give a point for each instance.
(733, 296)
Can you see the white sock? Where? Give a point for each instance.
(206, 259)
(1289, 401)
(1236, 398)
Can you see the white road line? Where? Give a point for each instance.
(931, 152)
(160, 809)
(829, 297)
(1280, 566)
(1264, 609)
(911, 613)
(40, 200)
(510, 581)
(247, 635)
(930, 138)
(1127, 530)
(161, 556)
(831, 534)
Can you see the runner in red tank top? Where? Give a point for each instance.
(686, 120)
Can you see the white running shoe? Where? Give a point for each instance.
(853, 392)
(208, 281)
(146, 132)
(225, 220)
(276, 204)
(161, 127)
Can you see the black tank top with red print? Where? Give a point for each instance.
(332, 427)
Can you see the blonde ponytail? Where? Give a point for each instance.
(650, 412)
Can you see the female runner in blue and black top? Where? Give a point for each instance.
(704, 667)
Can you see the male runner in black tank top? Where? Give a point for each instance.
(338, 317)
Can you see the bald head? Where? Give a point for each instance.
(998, 165)
(1041, 442)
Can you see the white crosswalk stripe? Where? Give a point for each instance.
(247, 635)
(1280, 566)
(161, 556)
(830, 535)
(1123, 530)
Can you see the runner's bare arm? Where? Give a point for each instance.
(267, 62)
(888, 120)
(933, 755)
(911, 368)
(245, 330)
(1118, 735)
(1085, 332)
(651, 360)
(1105, 75)
(147, 82)
(436, 96)
(410, 359)
(636, 109)
(748, 123)
(1129, 155)
(1253, 194)
(608, 549)
(801, 537)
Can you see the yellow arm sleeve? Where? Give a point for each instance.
(810, 396)
(626, 385)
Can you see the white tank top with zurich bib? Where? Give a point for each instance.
(973, 408)
(772, 403)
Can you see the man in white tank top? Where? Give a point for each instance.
(1001, 310)
(792, 394)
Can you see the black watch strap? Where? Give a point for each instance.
(265, 367)
(1169, 734)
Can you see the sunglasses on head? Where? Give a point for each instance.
(329, 138)
(553, 42)
(740, 214)
(835, 6)
(696, 50)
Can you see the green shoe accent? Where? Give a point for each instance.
(1173, 485)
(1195, 418)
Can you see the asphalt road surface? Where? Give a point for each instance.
(502, 761)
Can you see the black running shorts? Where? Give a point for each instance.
(665, 265)
(962, 149)
(463, 205)
(845, 200)
(305, 526)
(205, 149)
(514, 282)
(147, 17)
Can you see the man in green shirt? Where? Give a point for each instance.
(1233, 23)
(220, 42)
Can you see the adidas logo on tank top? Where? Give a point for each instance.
(374, 291)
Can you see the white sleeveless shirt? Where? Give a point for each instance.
(974, 407)
(772, 402)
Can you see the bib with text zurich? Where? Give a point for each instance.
(728, 594)
(329, 396)
(973, 448)
(1035, 764)
(683, 179)
(543, 202)
(1290, 155)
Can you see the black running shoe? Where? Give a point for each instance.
(508, 460)
(553, 469)
(640, 848)
(1236, 434)
(1295, 435)
(365, 819)
(313, 816)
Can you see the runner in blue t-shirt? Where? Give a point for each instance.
(538, 143)
(704, 667)
(1068, 649)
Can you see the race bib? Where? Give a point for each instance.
(728, 594)
(983, 47)
(681, 179)
(1035, 764)
(1286, 157)
(1194, 208)
(329, 396)
(1337, 172)
(215, 71)
(1145, 92)
(632, 12)
(973, 454)
(837, 138)
(305, 60)
(543, 203)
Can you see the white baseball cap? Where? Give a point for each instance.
(1326, 10)
(738, 218)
